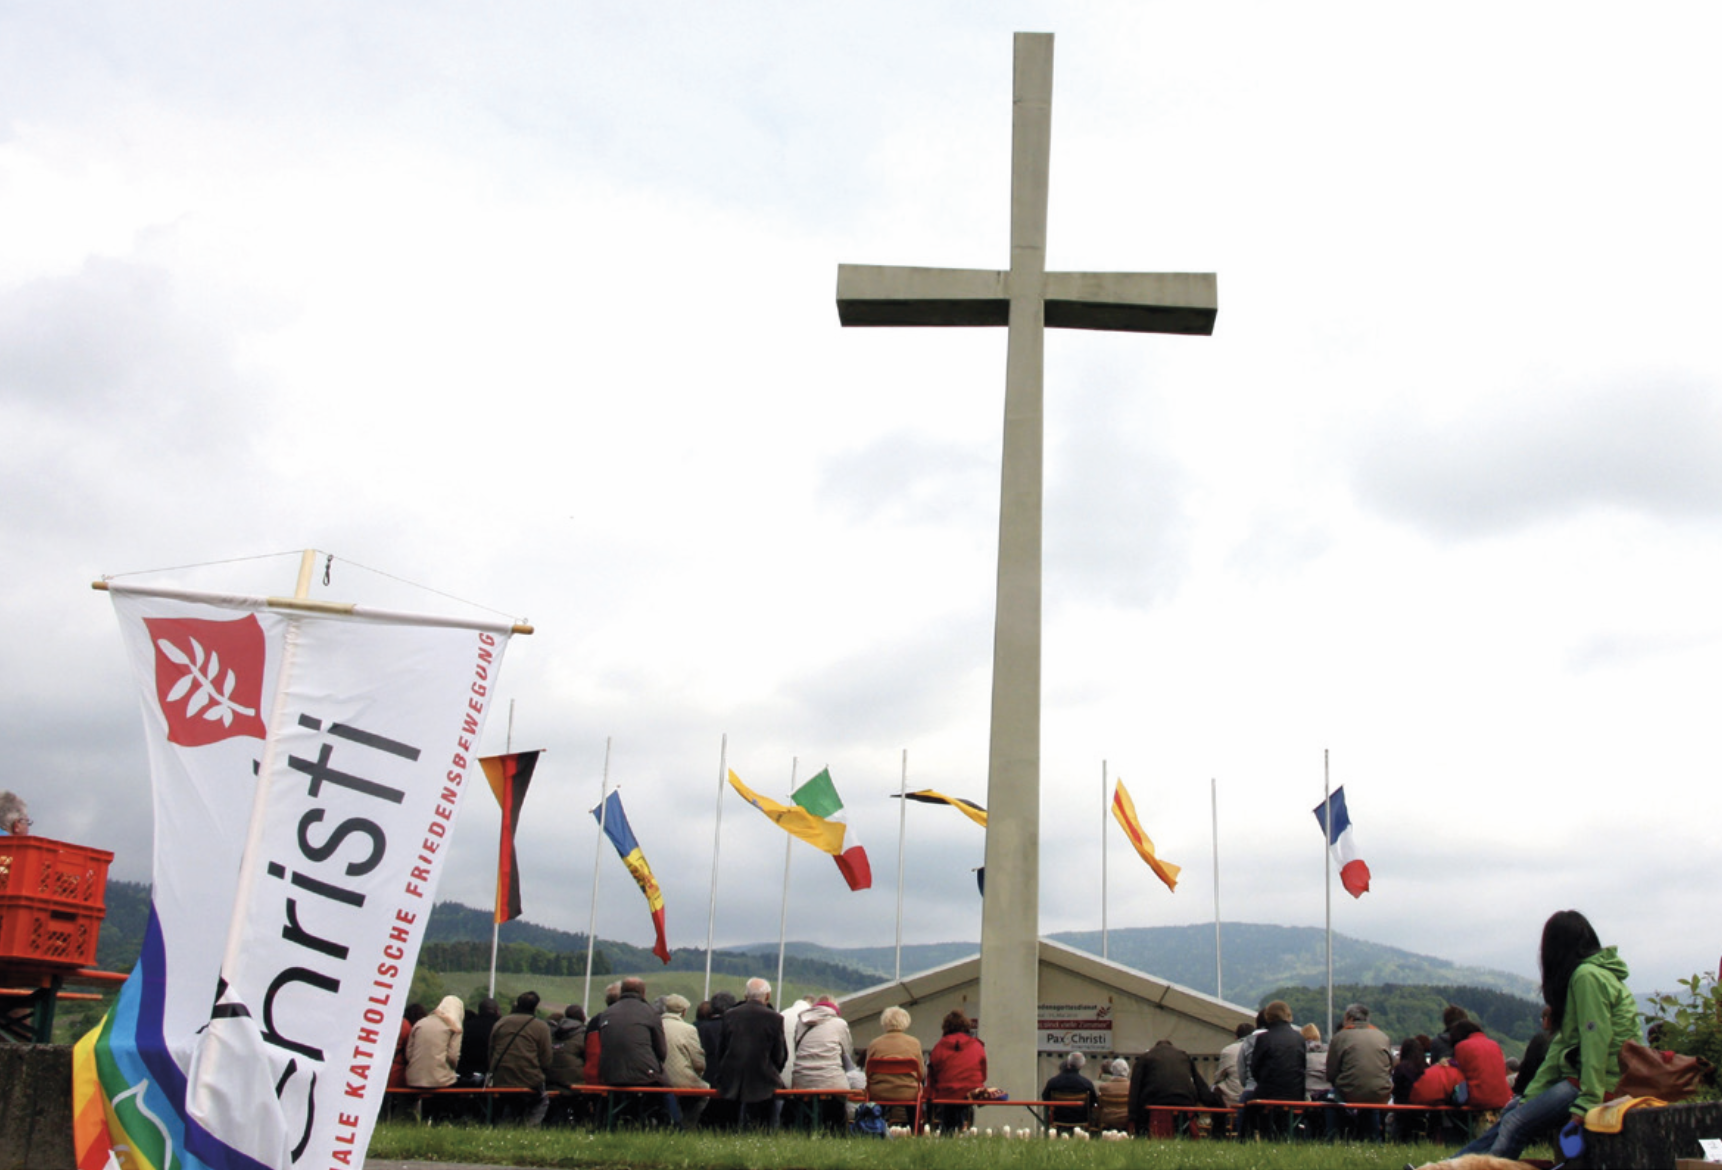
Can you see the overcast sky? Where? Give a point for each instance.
(532, 304)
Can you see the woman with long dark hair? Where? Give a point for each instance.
(1592, 1014)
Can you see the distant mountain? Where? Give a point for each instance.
(453, 922)
(1259, 958)
(879, 963)
(1400, 1011)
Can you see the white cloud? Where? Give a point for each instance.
(1652, 445)
(534, 307)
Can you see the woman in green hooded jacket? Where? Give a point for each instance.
(1592, 1014)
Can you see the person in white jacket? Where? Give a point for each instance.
(822, 1060)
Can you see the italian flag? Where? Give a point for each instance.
(819, 797)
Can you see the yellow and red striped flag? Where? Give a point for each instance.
(1124, 811)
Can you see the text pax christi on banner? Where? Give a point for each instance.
(307, 770)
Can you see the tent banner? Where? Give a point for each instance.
(307, 770)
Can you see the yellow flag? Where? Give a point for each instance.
(798, 822)
(1124, 811)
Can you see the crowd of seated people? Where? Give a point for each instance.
(737, 1056)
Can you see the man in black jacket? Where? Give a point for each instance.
(1278, 1060)
(520, 1053)
(751, 1051)
(1165, 1075)
(631, 1050)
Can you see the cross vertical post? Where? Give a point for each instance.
(1010, 912)
(1027, 299)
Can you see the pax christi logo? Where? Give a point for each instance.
(208, 678)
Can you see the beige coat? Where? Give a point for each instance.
(433, 1052)
(685, 1062)
(895, 1086)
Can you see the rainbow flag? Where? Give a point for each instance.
(615, 822)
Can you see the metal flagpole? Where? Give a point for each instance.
(783, 910)
(1214, 803)
(1327, 881)
(597, 855)
(495, 926)
(717, 829)
(902, 828)
(1103, 953)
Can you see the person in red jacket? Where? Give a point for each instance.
(1485, 1068)
(956, 1067)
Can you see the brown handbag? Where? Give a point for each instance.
(1667, 1076)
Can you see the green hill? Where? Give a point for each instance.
(1261, 961)
(1260, 958)
(457, 938)
(1402, 1011)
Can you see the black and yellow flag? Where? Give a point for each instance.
(968, 808)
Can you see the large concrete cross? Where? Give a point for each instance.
(1027, 298)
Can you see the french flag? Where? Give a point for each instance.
(1353, 874)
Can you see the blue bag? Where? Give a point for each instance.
(869, 1121)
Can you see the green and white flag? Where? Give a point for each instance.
(819, 797)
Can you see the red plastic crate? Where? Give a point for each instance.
(71, 876)
(40, 932)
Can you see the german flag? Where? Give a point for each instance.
(509, 776)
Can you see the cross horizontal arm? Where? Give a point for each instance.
(877, 294)
(1133, 302)
(1130, 302)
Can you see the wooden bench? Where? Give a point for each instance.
(1164, 1120)
(1041, 1111)
(811, 1108)
(467, 1101)
(619, 1100)
(1299, 1112)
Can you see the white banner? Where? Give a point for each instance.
(1071, 1027)
(307, 769)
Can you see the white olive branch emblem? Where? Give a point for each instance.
(215, 703)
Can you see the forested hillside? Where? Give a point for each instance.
(457, 938)
(1403, 1011)
(1261, 962)
(1260, 958)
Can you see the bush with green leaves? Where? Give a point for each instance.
(1690, 1023)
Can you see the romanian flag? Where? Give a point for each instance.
(1124, 811)
(1353, 874)
(509, 776)
(615, 822)
(968, 808)
(819, 797)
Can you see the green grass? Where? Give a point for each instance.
(516, 1147)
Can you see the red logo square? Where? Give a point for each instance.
(209, 677)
